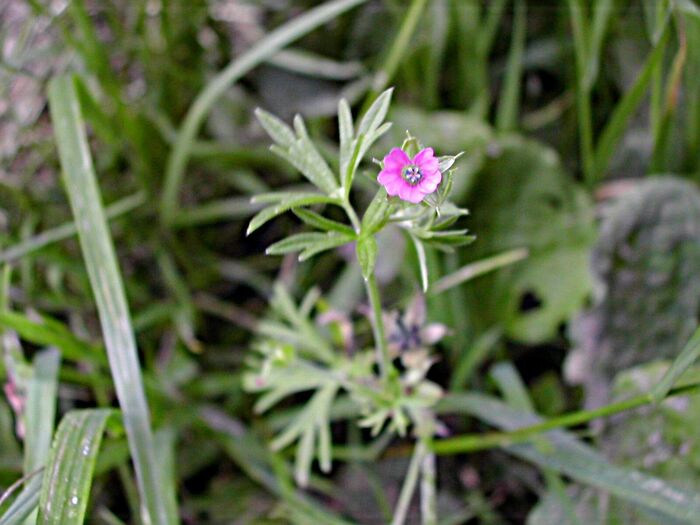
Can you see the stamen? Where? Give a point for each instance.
(412, 174)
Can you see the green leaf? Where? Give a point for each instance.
(346, 133)
(332, 240)
(45, 331)
(683, 362)
(376, 114)
(215, 211)
(367, 255)
(68, 230)
(98, 251)
(349, 169)
(286, 202)
(298, 150)
(377, 213)
(602, 12)
(422, 262)
(310, 428)
(68, 475)
(309, 243)
(276, 128)
(294, 243)
(322, 223)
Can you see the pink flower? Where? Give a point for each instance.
(410, 179)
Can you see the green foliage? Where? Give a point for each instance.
(524, 199)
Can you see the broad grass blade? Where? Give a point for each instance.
(98, 251)
(68, 475)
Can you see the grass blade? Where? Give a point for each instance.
(40, 410)
(24, 505)
(507, 116)
(264, 49)
(617, 124)
(685, 359)
(579, 25)
(477, 268)
(98, 251)
(167, 460)
(400, 45)
(68, 476)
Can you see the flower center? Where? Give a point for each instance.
(412, 174)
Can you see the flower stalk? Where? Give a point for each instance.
(383, 358)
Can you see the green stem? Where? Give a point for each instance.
(475, 442)
(352, 215)
(409, 484)
(378, 327)
(428, 488)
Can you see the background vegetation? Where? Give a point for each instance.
(580, 126)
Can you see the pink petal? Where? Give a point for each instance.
(430, 184)
(387, 176)
(396, 159)
(426, 161)
(394, 187)
(410, 193)
(424, 154)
